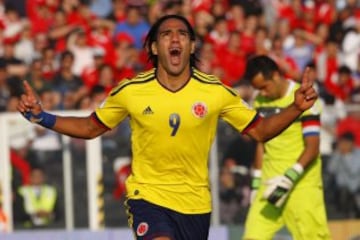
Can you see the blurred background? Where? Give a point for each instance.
(74, 51)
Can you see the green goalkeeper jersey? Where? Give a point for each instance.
(284, 150)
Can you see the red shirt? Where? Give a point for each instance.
(349, 124)
(22, 165)
(233, 64)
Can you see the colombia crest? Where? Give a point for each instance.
(142, 229)
(199, 109)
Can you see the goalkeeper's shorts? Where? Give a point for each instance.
(303, 215)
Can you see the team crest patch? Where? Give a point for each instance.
(199, 109)
(142, 229)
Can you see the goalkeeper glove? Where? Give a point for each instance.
(255, 184)
(279, 187)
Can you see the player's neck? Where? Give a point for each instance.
(171, 81)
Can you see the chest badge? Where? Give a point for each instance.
(199, 109)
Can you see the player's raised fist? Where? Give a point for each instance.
(29, 101)
(306, 95)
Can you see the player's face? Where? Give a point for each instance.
(268, 88)
(173, 47)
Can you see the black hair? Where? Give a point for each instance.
(66, 54)
(347, 136)
(260, 64)
(343, 69)
(152, 37)
(311, 65)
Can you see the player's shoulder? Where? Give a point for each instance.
(211, 80)
(141, 78)
(205, 78)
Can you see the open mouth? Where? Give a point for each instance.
(175, 55)
(175, 51)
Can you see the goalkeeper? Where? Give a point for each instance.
(287, 184)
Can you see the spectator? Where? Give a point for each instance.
(284, 32)
(208, 58)
(107, 77)
(90, 74)
(35, 76)
(24, 49)
(344, 166)
(262, 41)
(126, 59)
(40, 14)
(329, 60)
(317, 38)
(219, 35)
(101, 8)
(83, 53)
(41, 42)
(60, 30)
(218, 8)
(351, 45)
(65, 81)
(286, 63)
(37, 202)
(15, 66)
(302, 51)
(203, 21)
(248, 35)
(50, 63)
(13, 23)
(100, 35)
(134, 25)
(233, 60)
(80, 15)
(341, 84)
(96, 97)
(118, 13)
(236, 18)
(351, 123)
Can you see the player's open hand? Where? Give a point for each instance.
(306, 95)
(29, 101)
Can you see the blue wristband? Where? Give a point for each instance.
(44, 119)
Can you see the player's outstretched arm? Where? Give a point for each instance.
(81, 127)
(305, 97)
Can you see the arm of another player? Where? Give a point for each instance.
(80, 127)
(269, 127)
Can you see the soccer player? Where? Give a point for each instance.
(287, 172)
(173, 111)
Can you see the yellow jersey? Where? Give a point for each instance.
(172, 133)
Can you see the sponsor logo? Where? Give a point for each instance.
(147, 111)
(142, 229)
(199, 109)
(35, 120)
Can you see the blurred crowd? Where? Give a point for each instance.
(74, 51)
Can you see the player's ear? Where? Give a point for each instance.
(192, 47)
(154, 48)
(276, 75)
